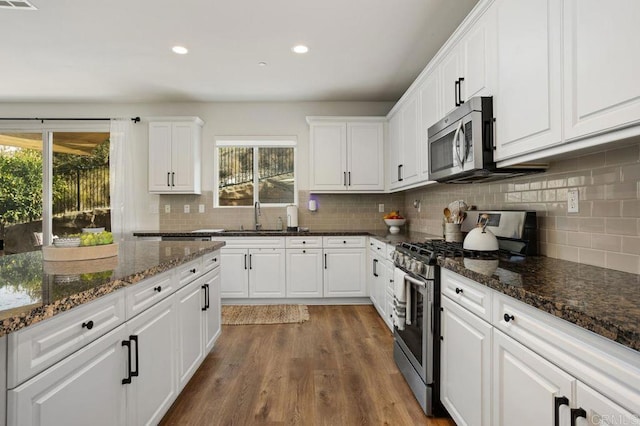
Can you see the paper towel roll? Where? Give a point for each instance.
(292, 217)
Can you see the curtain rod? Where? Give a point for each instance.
(42, 120)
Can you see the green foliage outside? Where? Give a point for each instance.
(21, 180)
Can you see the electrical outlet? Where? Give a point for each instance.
(380, 208)
(167, 208)
(200, 208)
(573, 201)
(187, 208)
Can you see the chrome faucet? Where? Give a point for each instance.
(256, 214)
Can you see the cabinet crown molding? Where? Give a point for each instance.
(326, 118)
(193, 119)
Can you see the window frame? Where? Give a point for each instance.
(255, 142)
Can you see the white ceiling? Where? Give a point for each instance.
(120, 51)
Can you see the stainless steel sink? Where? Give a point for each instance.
(251, 231)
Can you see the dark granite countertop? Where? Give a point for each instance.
(32, 289)
(601, 300)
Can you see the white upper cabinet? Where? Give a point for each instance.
(468, 69)
(174, 155)
(346, 154)
(527, 102)
(601, 64)
(404, 148)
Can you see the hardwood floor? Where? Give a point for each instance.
(335, 369)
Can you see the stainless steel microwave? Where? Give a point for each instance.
(461, 146)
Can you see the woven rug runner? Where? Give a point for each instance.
(264, 314)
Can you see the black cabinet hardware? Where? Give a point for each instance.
(460, 80)
(304, 242)
(304, 251)
(135, 373)
(325, 261)
(349, 175)
(88, 325)
(205, 287)
(577, 413)
(127, 379)
(215, 259)
(375, 263)
(458, 290)
(168, 177)
(400, 178)
(193, 271)
(250, 266)
(344, 242)
(245, 261)
(558, 402)
(158, 289)
(344, 178)
(456, 90)
(508, 317)
(173, 179)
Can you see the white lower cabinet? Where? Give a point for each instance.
(380, 280)
(235, 278)
(83, 389)
(344, 274)
(465, 365)
(527, 367)
(132, 374)
(304, 272)
(526, 386)
(267, 273)
(152, 335)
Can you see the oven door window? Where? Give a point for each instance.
(413, 334)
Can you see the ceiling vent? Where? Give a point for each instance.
(17, 4)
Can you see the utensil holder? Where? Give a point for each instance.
(452, 232)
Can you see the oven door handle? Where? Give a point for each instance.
(414, 281)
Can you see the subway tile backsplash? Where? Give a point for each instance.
(605, 232)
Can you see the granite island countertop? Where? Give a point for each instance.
(32, 290)
(604, 301)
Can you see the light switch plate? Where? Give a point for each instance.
(167, 208)
(187, 208)
(380, 208)
(573, 201)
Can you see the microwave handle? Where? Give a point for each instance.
(456, 141)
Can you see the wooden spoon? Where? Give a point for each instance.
(447, 214)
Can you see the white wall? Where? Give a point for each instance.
(226, 119)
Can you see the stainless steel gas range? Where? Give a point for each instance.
(417, 300)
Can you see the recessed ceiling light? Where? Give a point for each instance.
(262, 63)
(301, 48)
(180, 50)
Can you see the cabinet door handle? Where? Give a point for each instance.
(173, 179)
(558, 402)
(576, 413)
(205, 287)
(508, 317)
(375, 263)
(88, 325)
(456, 90)
(250, 267)
(400, 178)
(349, 175)
(135, 373)
(344, 178)
(127, 379)
(245, 261)
(168, 178)
(325, 261)
(460, 101)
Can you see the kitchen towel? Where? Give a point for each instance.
(292, 216)
(400, 295)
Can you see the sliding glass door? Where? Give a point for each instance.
(52, 183)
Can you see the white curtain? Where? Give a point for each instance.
(121, 154)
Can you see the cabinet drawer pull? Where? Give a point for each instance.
(245, 261)
(325, 261)
(508, 317)
(577, 413)
(304, 242)
(344, 242)
(205, 287)
(215, 259)
(304, 251)
(158, 289)
(193, 271)
(458, 290)
(558, 402)
(88, 325)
